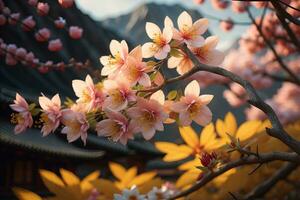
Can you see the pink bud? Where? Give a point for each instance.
(29, 57)
(10, 60)
(75, 32)
(6, 11)
(11, 49)
(32, 2)
(13, 19)
(226, 25)
(28, 24)
(3, 49)
(220, 4)
(21, 53)
(61, 66)
(66, 3)
(2, 20)
(55, 45)
(199, 1)
(60, 23)
(43, 69)
(43, 8)
(42, 35)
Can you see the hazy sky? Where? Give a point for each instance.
(101, 9)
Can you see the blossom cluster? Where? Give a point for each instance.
(129, 100)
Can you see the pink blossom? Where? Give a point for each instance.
(182, 63)
(226, 25)
(43, 8)
(149, 115)
(208, 54)
(117, 127)
(66, 3)
(115, 63)
(23, 118)
(10, 60)
(75, 32)
(239, 7)
(193, 107)
(28, 24)
(136, 70)
(2, 20)
(199, 1)
(21, 53)
(55, 45)
(189, 32)
(160, 47)
(29, 58)
(119, 94)
(32, 2)
(51, 113)
(13, 18)
(43, 35)
(76, 125)
(90, 95)
(60, 23)
(219, 4)
(11, 49)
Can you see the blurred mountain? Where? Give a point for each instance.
(132, 25)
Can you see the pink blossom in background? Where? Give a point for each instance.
(60, 23)
(66, 3)
(226, 25)
(219, 4)
(75, 32)
(20, 53)
(32, 2)
(55, 45)
(199, 1)
(23, 118)
(117, 127)
(51, 115)
(14, 18)
(148, 115)
(43, 8)
(28, 23)
(238, 6)
(193, 107)
(2, 20)
(42, 35)
(76, 125)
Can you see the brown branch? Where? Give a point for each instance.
(263, 158)
(265, 186)
(278, 58)
(280, 15)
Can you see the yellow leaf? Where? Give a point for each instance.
(190, 164)
(147, 187)
(128, 176)
(69, 177)
(166, 147)
(117, 170)
(85, 184)
(52, 182)
(221, 128)
(23, 194)
(207, 134)
(106, 187)
(188, 178)
(247, 130)
(189, 136)
(142, 178)
(174, 152)
(231, 124)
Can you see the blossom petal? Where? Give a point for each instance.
(192, 89)
(201, 26)
(204, 117)
(152, 30)
(184, 21)
(158, 96)
(148, 50)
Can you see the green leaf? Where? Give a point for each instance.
(153, 75)
(175, 52)
(32, 106)
(151, 63)
(172, 95)
(35, 111)
(202, 168)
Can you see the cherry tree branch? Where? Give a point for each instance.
(263, 158)
(265, 186)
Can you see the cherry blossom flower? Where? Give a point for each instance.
(117, 127)
(189, 32)
(136, 70)
(75, 32)
(182, 63)
(207, 53)
(51, 116)
(23, 118)
(113, 64)
(28, 24)
(119, 94)
(32, 2)
(55, 45)
(43, 8)
(76, 125)
(13, 18)
(89, 94)
(21, 53)
(160, 47)
(193, 107)
(66, 3)
(60, 23)
(43, 35)
(149, 115)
